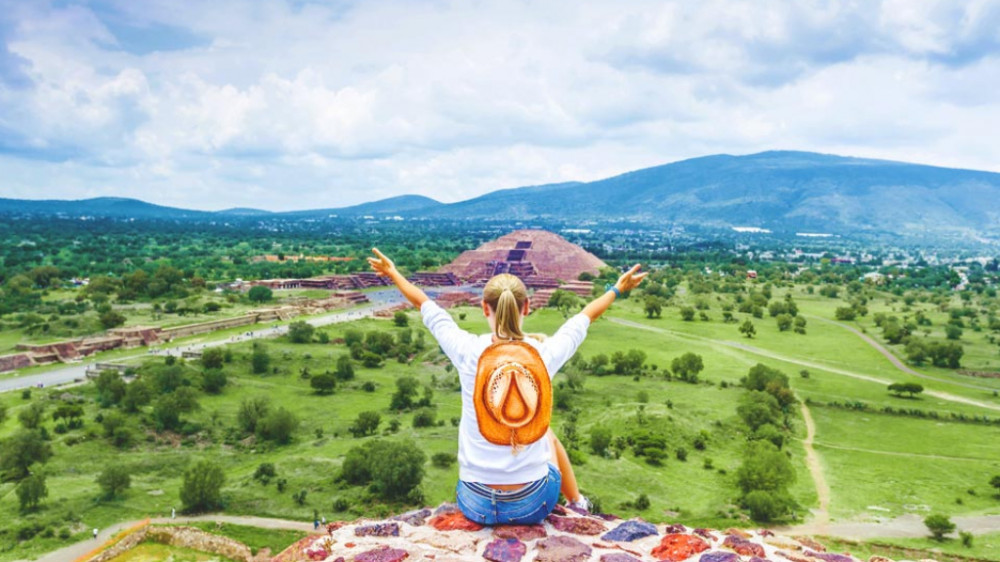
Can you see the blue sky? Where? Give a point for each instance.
(291, 105)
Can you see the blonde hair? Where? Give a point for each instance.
(506, 294)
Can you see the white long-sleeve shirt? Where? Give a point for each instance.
(478, 459)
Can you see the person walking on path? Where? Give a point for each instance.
(511, 466)
(95, 532)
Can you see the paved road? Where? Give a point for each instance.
(75, 551)
(380, 299)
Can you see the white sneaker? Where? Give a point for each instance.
(582, 504)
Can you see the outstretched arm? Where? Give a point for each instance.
(384, 267)
(628, 281)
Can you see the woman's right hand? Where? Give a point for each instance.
(630, 279)
(383, 265)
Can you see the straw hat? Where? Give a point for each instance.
(513, 394)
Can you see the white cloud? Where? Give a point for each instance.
(296, 105)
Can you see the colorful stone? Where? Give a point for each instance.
(630, 530)
(454, 521)
(520, 532)
(505, 550)
(743, 547)
(719, 556)
(377, 530)
(677, 547)
(577, 525)
(562, 549)
(382, 554)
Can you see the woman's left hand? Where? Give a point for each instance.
(383, 265)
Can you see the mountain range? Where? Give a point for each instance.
(779, 190)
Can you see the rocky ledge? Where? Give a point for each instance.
(444, 534)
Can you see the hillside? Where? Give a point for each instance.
(782, 191)
(791, 191)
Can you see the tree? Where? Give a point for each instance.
(687, 313)
(800, 325)
(213, 381)
(300, 332)
(31, 491)
(260, 360)
(758, 408)
(916, 351)
(345, 368)
(212, 358)
(653, 306)
(939, 525)
(406, 390)
(910, 388)
(111, 319)
(393, 469)
(365, 424)
(747, 329)
(687, 367)
(764, 477)
(564, 301)
(953, 332)
(845, 313)
(114, 480)
(278, 426)
(995, 482)
(19, 451)
(251, 411)
(259, 294)
(400, 319)
(32, 416)
(784, 322)
(628, 362)
(201, 489)
(600, 440)
(323, 383)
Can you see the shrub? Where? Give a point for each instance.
(424, 417)
(213, 381)
(443, 460)
(264, 473)
(31, 491)
(393, 469)
(365, 424)
(642, 502)
(114, 480)
(201, 489)
(278, 426)
(251, 411)
(300, 332)
(212, 358)
(323, 383)
(939, 525)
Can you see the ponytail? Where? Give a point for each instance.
(508, 317)
(506, 294)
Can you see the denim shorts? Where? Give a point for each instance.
(526, 506)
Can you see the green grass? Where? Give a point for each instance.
(869, 459)
(984, 547)
(155, 552)
(254, 537)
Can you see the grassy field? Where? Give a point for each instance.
(896, 464)
(256, 538)
(154, 552)
(984, 547)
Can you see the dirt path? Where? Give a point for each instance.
(773, 355)
(895, 360)
(79, 549)
(821, 516)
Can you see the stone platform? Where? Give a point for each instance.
(444, 534)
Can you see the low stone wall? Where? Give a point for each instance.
(203, 327)
(186, 537)
(15, 361)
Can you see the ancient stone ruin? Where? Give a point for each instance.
(540, 258)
